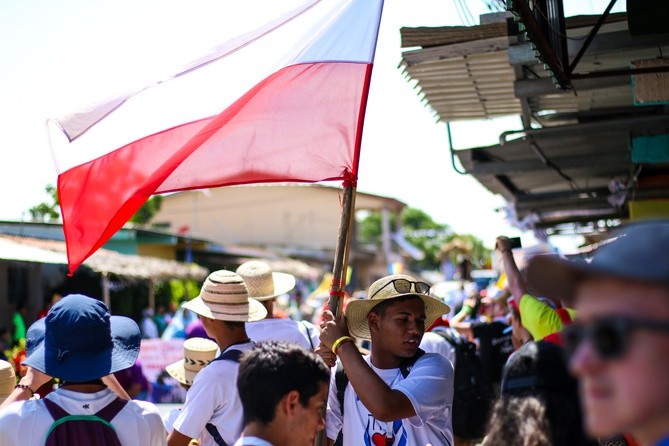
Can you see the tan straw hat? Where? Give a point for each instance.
(7, 380)
(262, 283)
(391, 287)
(198, 352)
(224, 297)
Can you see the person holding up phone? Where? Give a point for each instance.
(543, 318)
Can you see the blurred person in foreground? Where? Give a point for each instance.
(539, 403)
(398, 394)
(81, 345)
(283, 388)
(619, 344)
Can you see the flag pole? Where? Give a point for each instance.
(339, 269)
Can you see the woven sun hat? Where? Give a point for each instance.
(7, 380)
(198, 352)
(384, 289)
(82, 341)
(224, 297)
(262, 282)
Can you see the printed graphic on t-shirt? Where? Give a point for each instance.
(381, 433)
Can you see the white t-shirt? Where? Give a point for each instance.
(287, 330)
(433, 343)
(213, 398)
(252, 441)
(429, 387)
(26, 423)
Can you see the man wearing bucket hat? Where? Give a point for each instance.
(212, 412)
(398, 394)
(265, 286)
(81, 344)
(619, 343)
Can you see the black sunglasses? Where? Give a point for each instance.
(403, 286)
(609, 336)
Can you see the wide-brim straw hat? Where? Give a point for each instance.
(382, 290)
(82, 341)
(263, 283)
(7, 380)
(224, 297)
(198, 353)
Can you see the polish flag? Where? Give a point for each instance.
(282, 99)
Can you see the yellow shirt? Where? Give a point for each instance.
(539, 318)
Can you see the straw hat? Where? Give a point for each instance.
(262, 283)
(225, 297)
(198, 352)
(382, 290)
(7, 380)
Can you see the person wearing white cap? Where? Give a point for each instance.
(213, 413)
(265, 286)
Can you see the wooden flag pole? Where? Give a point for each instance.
(339, 270)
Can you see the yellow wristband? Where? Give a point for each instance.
(339, 342)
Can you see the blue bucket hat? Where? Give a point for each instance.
(82, 342)
(34, 336)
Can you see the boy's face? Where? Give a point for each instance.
(400, 328)
(631, 392)
(309, 420)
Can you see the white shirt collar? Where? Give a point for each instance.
(252, 441)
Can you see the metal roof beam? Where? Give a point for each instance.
(535, 164)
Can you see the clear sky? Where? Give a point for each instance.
(51, 53)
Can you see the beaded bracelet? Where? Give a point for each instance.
(23, 386)
(339, 342)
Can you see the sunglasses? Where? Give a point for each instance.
(403, 286)
(609, 336)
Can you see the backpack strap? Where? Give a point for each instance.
(112, 409)
(54, 409)
(341, 381)
(407, 364)
(308, 335)
(215, 434)
(228, 355)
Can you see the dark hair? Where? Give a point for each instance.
(270, 371)
(382, 307)
(234, 324)
(539, 405)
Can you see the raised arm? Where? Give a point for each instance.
(516, 283)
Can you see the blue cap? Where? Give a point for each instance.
(635, 252)
(82, 341)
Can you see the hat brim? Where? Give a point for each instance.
(556, 277)
(283, 283)
(35, 335)
(177, 371)
(357, 311)
(250, 311)
(126, 340)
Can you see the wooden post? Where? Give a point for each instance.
(152, 295)
(339, 269)
(105, 289)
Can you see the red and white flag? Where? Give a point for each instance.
(296, 116)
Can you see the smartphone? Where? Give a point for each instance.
(515, 242)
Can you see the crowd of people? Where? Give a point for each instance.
(572, 352)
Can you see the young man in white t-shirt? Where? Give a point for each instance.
(381, 405)
(265, 286)
(213, 412)
(283, 389)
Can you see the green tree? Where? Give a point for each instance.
(46, 211)
(424, 233)
(148, 210)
